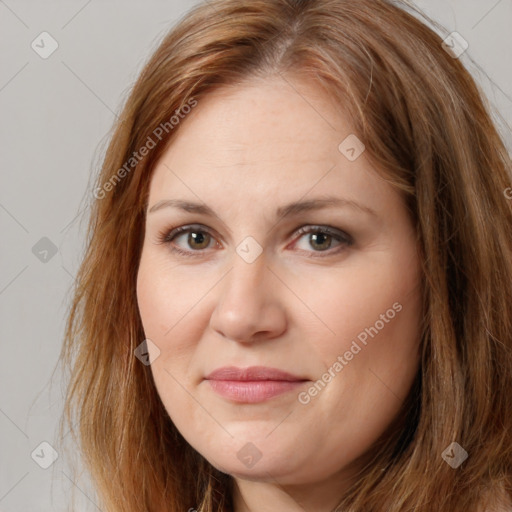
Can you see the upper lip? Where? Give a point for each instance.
(252, 373)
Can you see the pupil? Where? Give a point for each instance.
(316, 236)
(198, 237)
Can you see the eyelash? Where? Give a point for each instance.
(167, 236)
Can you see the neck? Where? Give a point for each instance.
(269, 495)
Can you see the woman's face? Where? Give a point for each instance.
(337, 306)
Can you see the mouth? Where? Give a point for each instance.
(254, 384)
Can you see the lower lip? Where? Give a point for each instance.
(252, 391)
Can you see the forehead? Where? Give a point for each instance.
(263, 141)
(262, 120)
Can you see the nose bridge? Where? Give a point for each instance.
(246, 304)
(248, 275)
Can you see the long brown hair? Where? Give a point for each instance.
(428, 127)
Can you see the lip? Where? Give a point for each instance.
(252, 385)
(252, 373)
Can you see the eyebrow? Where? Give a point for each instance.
(288, 210)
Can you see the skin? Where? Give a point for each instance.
(244, 151)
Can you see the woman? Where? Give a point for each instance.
(222, 360)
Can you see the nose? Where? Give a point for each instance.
(249, 305)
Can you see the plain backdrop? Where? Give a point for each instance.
(56, 113)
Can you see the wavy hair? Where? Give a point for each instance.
(428, 128)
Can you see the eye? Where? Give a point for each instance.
(321, 238)
(197, 238)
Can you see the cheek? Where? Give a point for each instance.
(379, 298)
(167, 301)
(160, 308)
(375, 311)
(163, 310)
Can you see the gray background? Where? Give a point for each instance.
(56, 114)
